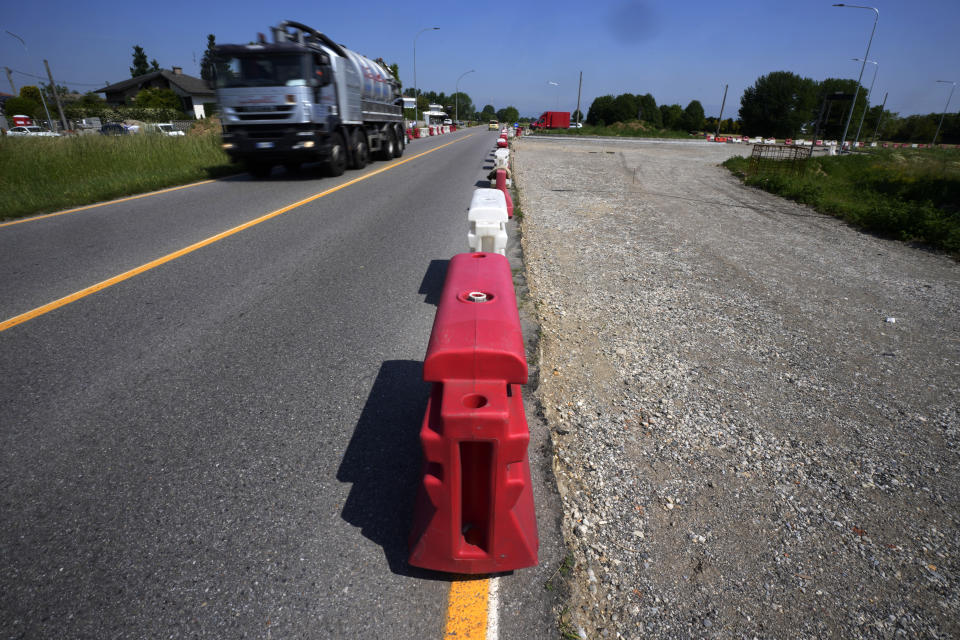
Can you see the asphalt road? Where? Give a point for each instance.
(226, 445)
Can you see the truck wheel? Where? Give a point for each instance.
(337, 162)
(401, 139)
(361, 154)
(259, 170)
(388, 150)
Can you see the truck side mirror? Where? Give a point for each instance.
(322, 76)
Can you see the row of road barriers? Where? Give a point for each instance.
(475, 512)
(432, 130)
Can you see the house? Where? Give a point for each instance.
(193, 92)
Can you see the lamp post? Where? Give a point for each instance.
(52, 87)
(556, 84)
(869, 95)
(944, 108)
(456, 94)
(856, 91)
(415, 96)
(880, 117)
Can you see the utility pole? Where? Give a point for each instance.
(10, 80)
(579, 87)
(56, 96)
(722, 105)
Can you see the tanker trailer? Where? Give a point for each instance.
(304, 98)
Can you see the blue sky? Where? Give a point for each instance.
(677, 50)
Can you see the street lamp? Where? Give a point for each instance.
(53, 88)
(869, 95)
(856, 91)
(415, 96)
(456, 94)
(944, 108)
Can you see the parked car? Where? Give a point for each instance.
(113, 129)
(576, 125)
(31, 130)
(447, 121)
(167, 129)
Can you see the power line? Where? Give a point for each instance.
(65, 82)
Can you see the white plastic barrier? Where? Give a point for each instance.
(501, 159)
(488, 221)
(424, 132)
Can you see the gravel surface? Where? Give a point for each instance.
(753, 407)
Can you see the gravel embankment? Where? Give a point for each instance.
(754, 408)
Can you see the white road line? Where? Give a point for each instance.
(493, 610)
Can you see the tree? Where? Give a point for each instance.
(61, 91)
(395, 70)
(649, 112)
(671, 116)
(577, 116)
(30, 92)
(91, 99)
(463, 105)
(508, 114)
(158, 99)
(693, 119)
(778, 104)
(625, 107)
(140, 66)
(154, 65)
(209, 60)
(835, 118)
(488, 112)
(601, 111)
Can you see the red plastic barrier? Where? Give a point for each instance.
(416, 132)
(475, 510)
(501, 184)
(502, 143)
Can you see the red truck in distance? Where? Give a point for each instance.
(552, 120)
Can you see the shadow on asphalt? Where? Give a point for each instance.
(383, 462)
(432, 284)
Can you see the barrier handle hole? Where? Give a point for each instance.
(474, 401)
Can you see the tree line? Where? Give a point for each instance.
(783, 104)
(628, 107)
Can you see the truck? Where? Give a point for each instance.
(304, 98)
(552, 120)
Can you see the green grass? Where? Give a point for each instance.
(39, 175)
(904, 194)
(632, 129)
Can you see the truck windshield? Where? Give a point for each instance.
(262, 71)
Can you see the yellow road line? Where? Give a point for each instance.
(103, 204)
(73, 297)
(467, 609)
